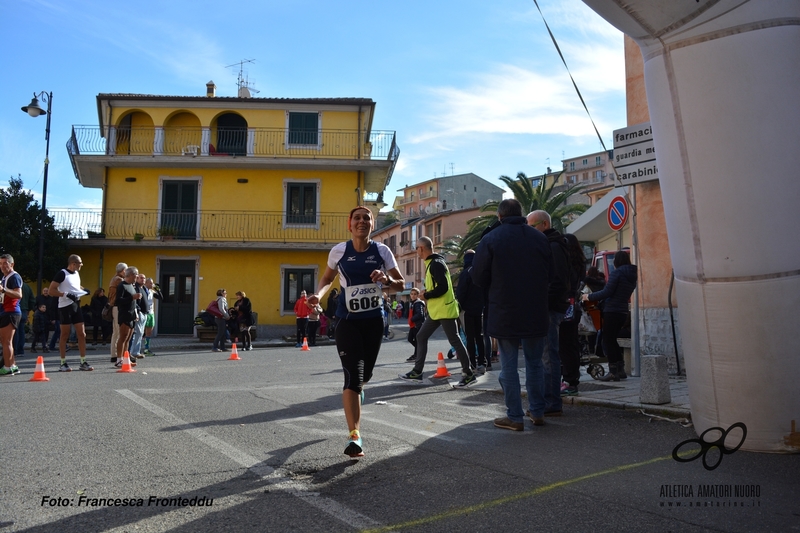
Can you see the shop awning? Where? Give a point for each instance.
(593, 224)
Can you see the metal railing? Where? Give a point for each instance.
(250, 142)
(232, 226)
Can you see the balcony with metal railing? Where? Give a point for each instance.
(207, 226)
(93, 148)
(249, 142)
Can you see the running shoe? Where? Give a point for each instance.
(414, 377)
(118, 364)
(64, 368)
(86, 366)
(467, 381)
(571, 390)
(412, 358)
(148, 352)
(481, 370)
(354, 448)
(6, 371)
(15, 369)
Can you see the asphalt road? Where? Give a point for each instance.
(262, 438)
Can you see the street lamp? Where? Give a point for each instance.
(34, 110)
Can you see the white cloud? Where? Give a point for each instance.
(514, 100)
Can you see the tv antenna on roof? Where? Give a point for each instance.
(243, 83)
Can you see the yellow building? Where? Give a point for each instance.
(241, 193)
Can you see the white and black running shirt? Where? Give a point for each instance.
(360, 296)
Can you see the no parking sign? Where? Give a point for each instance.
(617, 213)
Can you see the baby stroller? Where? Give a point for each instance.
(589, 331)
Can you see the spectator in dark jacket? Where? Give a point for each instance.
(40, 324)
(569, 346)
(415, 319)
(615, 295)
(101, 327)
(514, 263)
(470, 298)
(558, 302)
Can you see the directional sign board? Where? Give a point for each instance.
(634, 155)
(617, 213)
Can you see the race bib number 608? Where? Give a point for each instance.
(366, 297)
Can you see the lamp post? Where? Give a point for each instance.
(34, 110)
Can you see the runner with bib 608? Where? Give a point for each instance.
(364, 267)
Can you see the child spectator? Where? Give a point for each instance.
(40, 325)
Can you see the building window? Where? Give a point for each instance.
(571, 166)
(585, 176)
(598, 175)
(303, 128)
(585, 162)
(573, 179)
(437, 233)
(179, 200)
(295, 281)
(409, 267)
(301, 203)
(393, 244)
(598, 161)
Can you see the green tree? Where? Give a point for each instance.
(19, 226)
(388, 219)
(532, 196)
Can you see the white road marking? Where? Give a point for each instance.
(267, 473)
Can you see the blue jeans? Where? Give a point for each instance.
(56, 335)
(552, 365)
(19, 336)
(135, 346)
(532, 349)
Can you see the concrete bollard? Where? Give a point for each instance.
(654, 387)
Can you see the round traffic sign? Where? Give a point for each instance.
(617, 213)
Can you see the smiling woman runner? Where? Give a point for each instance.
(364, 268)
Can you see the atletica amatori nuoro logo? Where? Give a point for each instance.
(707, 446)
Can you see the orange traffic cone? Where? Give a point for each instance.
(126, 364)
(38, 374)
(305, 347)
(234, 354)
(441, 369)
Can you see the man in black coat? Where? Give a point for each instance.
(470, 298)
(558, 302)
(514, 264)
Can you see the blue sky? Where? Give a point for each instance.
(472, 83)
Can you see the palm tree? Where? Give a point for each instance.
(533, 198)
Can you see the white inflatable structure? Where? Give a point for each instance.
(723, 90)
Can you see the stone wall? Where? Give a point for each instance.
(655, 331)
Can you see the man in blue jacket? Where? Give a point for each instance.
(557, 302)
(514, 263)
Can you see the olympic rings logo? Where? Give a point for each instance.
(706, 446)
